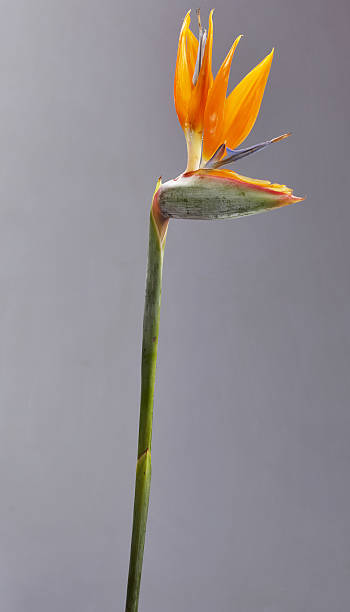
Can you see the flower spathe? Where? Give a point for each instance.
(214, 124)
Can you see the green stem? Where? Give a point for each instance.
(148, 371)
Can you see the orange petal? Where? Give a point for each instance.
(243, 104)
(192, 50)
(204, 82)
(183, 77)
(215, 107)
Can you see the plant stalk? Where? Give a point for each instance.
(148, 371)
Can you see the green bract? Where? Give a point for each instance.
(215, 194)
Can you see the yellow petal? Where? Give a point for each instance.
(204, 82)
(215, 107)
(243, 104)
(183, 76)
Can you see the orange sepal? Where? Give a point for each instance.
(183, 76)
(243, 104)
(192, 50)
(215, 107)
(204, 82)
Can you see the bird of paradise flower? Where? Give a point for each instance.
(214, 125)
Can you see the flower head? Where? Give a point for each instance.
(215, 124)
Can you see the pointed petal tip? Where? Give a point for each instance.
(290, 199)
(187, 19)
(297, 199)
(282, 137)
(210, 20)
(268, 59)
(233, 47)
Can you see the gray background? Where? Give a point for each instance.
(250, 497)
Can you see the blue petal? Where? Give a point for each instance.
(236, 154)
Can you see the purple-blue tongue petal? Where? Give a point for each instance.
(216, 157)
(236, 154)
